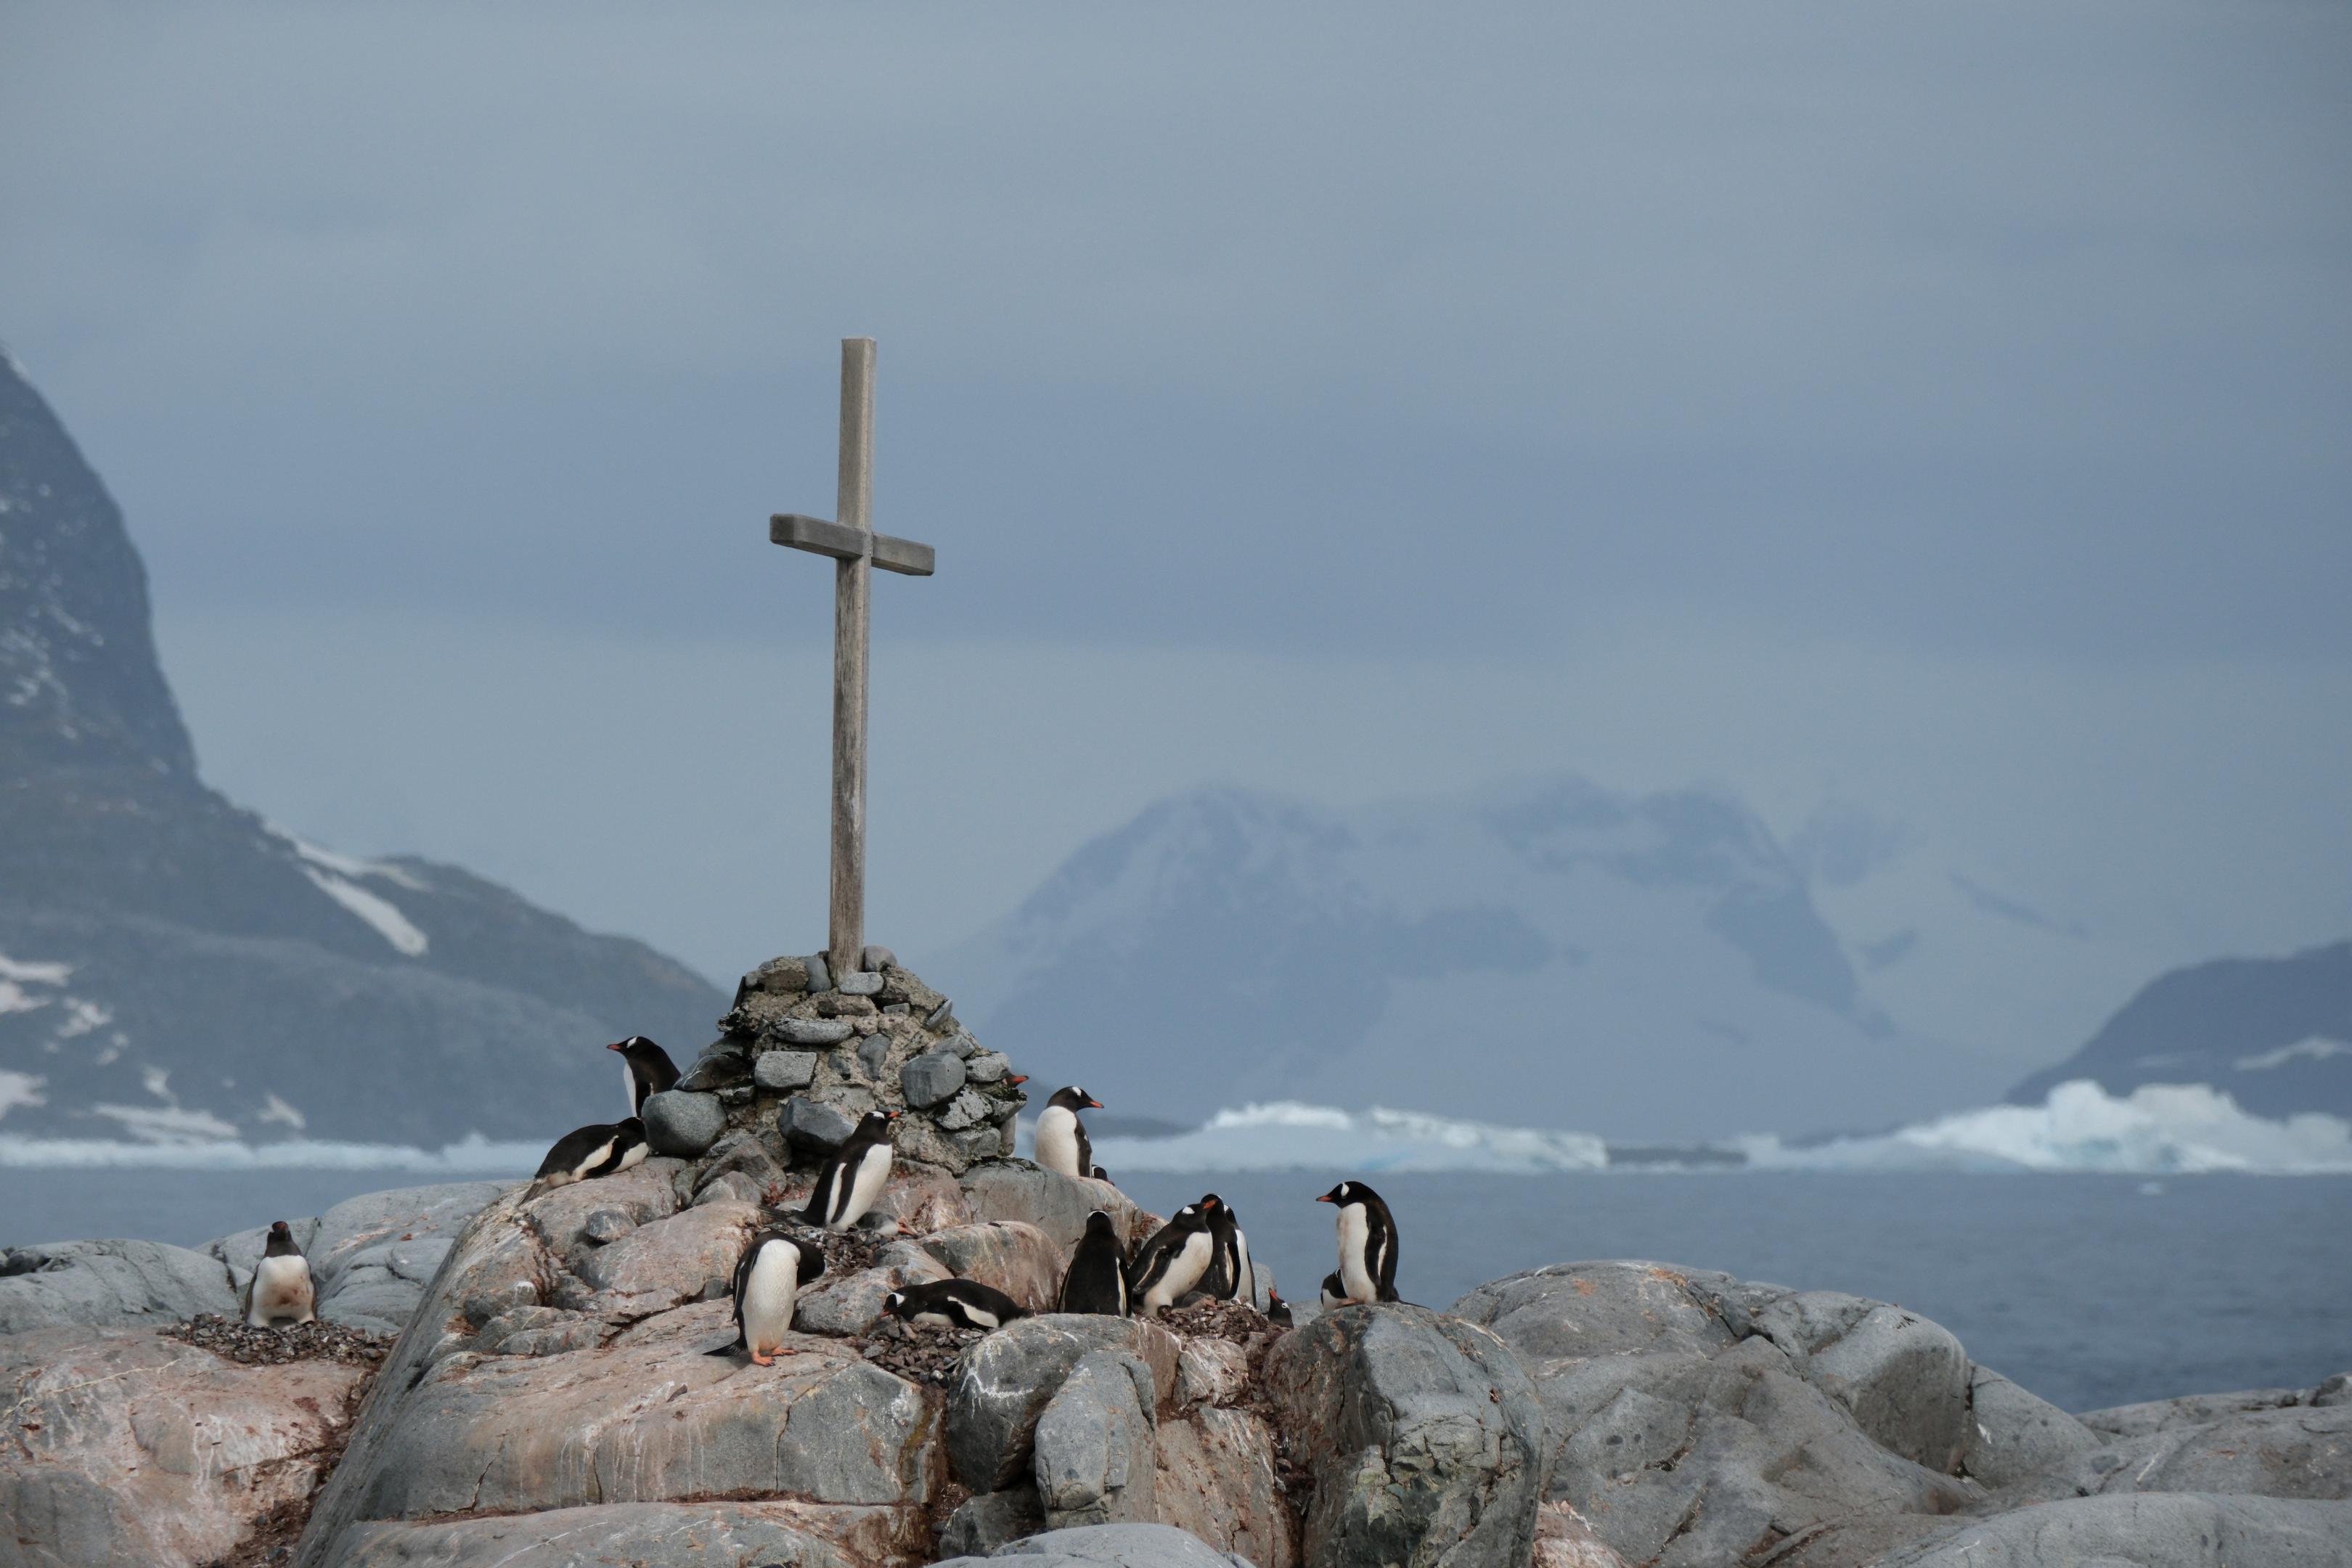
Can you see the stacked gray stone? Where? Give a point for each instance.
(806, 1052)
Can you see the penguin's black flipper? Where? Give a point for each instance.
(729, 1347)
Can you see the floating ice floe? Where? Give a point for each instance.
(473, 1157)
(1287, 1135)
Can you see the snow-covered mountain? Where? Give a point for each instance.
(173, 968)
(1550, 954)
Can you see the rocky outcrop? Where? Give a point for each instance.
(1423, 1437)
(1107, 1546)
(107, 1284)
(124, 1446)
(372, 1255)
(2156, 1532)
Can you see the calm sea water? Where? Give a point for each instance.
(2090, 1291)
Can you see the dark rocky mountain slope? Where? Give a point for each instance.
(2276, 1034)
(172, 968)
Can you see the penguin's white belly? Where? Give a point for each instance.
(1355, 1262)
(1246, 1283)
(629, 1086)
(281, 1289)
(1057, 1141)
(768, 1295)
(634, 1157)
(866, 1185)
(1184, 1271)
(980, 1317)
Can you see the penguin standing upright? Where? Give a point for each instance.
(1171, 1263)
(1229, 1278)
(1062, 1142)
(280, 1285)
(953, 1304)
(645, 1070)
(600, 1149)
(1096, 1280)
(1367, 1245)
(854, 1178)
(768, 1280)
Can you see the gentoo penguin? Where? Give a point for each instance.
(855, 1176)
(1229, 1278)
(768, 1280)
(1368, 1244)
(1334, 1293)
(1096, 1280)
(1277, 1310)
(1171, 1262)
(1102, 1176)
(602, 1149)
(1062, 1142)
(646, 1069)
(280, 1285)
(953, 1304)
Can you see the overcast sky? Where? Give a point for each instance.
(1939, 407)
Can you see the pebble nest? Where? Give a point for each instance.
(925, 1356)
(1235, 1321)
(231, 1340)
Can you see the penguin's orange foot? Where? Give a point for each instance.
(759, 1359)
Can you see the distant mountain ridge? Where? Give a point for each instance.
(2274, 1034)
(171, 967)
(1551, 954)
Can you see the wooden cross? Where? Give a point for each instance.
(855, 546)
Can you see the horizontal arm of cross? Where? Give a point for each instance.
(844, 542)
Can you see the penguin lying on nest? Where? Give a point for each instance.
(602, 1149)
(953, 1304)
(280, 1285)
(768, 1280)
(1368, 1247)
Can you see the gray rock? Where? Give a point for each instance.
(743, 1152)
(960, 1043)
(987, 1067)
(2295, 1452)
(939, 1017)
(645, 1534)
(96, 1284)
(2153, 1532)
(966, 1110)
(1111, 1546)
(1004, 1382)
(779, 976)
(2191, 1410)
(933, 1076)
(1424, 1437)
(1055, 1204)
(864, 983)
(683, 1123)
(1687, 1430)
(729, 1187)
(986, 1520)
(1906, 1379)
(813, 1031)
(814, 1126)
(607, 1225)
(2013, 1435)
(872, 1053)
(874, 956)
(723, 1064)
(820, 974)
(779, 1070)
(851, 1304)
(2336, 1390)
(1093, 1456)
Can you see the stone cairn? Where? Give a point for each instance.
(804, 1053)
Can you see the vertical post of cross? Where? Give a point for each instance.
(852, 584)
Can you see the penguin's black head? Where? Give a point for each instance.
(1100, 1224)
(1211, 1203)
(1346, 1193)
(1190, 1217)
(279, 1227)
(637, 1047)
(894, 1303)
(280, 1242)
(631, 1128)
(876, 1124)
(1075, 1098)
